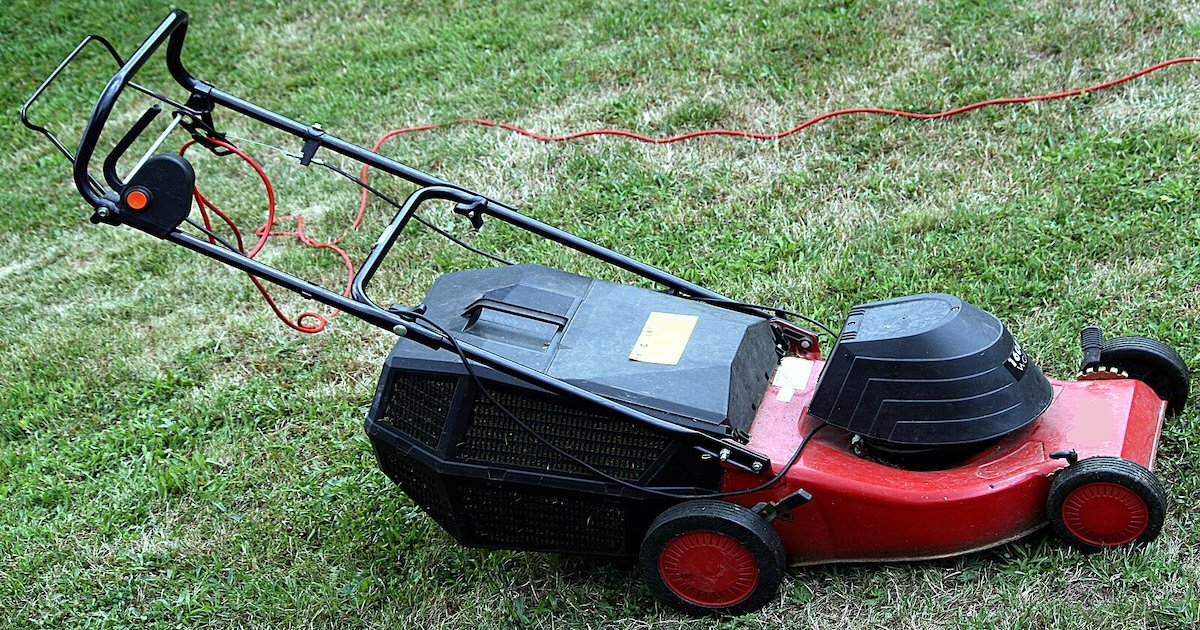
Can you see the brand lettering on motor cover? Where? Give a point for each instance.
(1017, 360)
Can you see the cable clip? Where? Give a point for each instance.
(196, 117)
(312, 142)
(473, 210)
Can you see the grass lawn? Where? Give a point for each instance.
(171, 455)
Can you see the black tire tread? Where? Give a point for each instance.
(1113, 470)
(1158, 365)
(727, 518)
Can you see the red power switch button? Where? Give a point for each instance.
(137, 199)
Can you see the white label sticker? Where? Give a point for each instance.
(792, 375)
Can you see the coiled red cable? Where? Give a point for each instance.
(265, 232)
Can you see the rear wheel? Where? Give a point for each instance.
(1103, 502)
(707, 557)
(1152, 362)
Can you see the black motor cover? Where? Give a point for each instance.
(928, 370)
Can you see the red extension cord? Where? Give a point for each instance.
(264, 232)
(267, 229)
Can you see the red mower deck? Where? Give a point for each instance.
(865, 510)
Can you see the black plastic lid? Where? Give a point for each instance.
(928, 370)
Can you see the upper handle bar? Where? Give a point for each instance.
(173, 29)
(174, 26)
(474, 205)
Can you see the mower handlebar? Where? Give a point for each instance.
(402, 322)
(174, 27)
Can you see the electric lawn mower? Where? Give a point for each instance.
(529, 408)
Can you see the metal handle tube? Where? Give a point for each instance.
(492, 207)
(176, 27)
(387, 238)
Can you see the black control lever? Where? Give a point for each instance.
(197, 119)
(473, 210)
(782, 508)
(110, 162)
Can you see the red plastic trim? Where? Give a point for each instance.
(708, 569)
(1105, 514)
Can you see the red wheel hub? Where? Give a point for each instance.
(708, 569)
(1105, 514)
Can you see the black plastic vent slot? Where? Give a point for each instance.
(418, 405)
(619, 448)
(569, 524)
(422, 486)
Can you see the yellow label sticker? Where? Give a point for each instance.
(663, 338)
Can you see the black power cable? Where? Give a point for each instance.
(210, 234)
(774, 309)
(392, 202)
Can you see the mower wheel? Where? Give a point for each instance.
(707, 557)
(1153, 363)
(1102, 502)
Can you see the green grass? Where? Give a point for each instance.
(170, 455)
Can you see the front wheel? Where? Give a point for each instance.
(707, 557)
(1103, 502)
(1151, 362)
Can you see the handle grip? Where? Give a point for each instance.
(174, 26)
(110, 162)
(475, 311)
(1091, 341)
